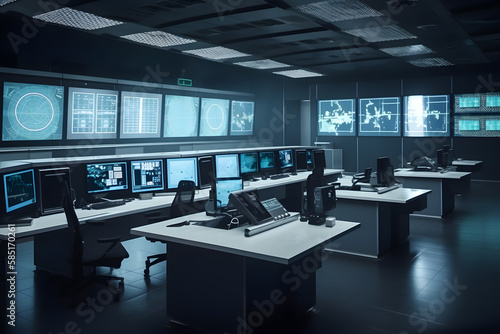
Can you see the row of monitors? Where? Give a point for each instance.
(148, 175)
(424, 115)
(34, 112)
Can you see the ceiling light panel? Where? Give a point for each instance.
(6, 2)
(298, 74)
(217, 53)
(430, 62)
(381, 33)
(76, 19)
(158, 38)
(338, 10)
(263, 64)
(410, 50)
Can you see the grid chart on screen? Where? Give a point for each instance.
(336, 117)
(140, 115)
(94, 113)
(427, 115)
(379, 116)
(32, 112)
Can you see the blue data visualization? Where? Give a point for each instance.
(427, 115)
(214, 117)
(336, 117)
(241, 118)
(379, 116)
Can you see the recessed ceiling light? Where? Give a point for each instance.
(263, 64)
(158, 38)
(430, 62)
(410, 50)
(76, 19)
(6, 2)
(381, 33)
(298, 74)
(217, 53)
(338, 10)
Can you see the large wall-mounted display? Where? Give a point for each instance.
(214, 117)
(477, 115)
(181, 116)
(427, 115)
(241, 118)
(32, 112)
(336, 117)
(379, 116)
(140, 115)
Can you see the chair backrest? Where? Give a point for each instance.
(74, 228)
(184, 199)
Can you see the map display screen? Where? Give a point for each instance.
(336, 117)
(379, 116)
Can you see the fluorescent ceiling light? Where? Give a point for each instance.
(263, 64)
(381, 33)
(158, 38)
(430, 62)
(410, 50)
(6, 2)
(217, 53)
(76, 19)
(298, 74)
(338, 10)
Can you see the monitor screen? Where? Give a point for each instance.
(477, 125)
(181, 169)
(140, 115)
(336, 118)
(379, 116)
(206, 171)
(181, 116)
(226, 165)
(19, 190)
(286, 158)
(301, 160)
(384, 168)
(51, 184)
(147, 175)
(319, 158)
(92, 113)
(266, 160)
(427, 115)
(214, 117)
(248, 163)
(109, 176)
(222, 188)
(32, 112)
(241, 118)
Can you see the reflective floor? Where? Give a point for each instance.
(444, 279)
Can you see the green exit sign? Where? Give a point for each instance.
(184, 82)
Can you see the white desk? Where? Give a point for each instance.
(384, 218)
(467, 165)
(444, 186)
(216, 278)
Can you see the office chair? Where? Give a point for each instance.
(91, 252)
(181, 205)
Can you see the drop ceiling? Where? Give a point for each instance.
(318, 38)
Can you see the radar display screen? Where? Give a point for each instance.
(32, 112)
(214, 117)
(181, 116)
(140, 115)
(336, 117)
(241, 118)
(379, 116)
(427, 115)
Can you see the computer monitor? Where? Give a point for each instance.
(222, 187)
(310, 164)
(285, 159)
(301, 160)
(249, 163)
(266, 161)
(226, 165)
(181, 169)
(385, 172)
(147, 175)
(206, 172)
(108, 176)
(20, 195)
(51, 181)
(319, 159)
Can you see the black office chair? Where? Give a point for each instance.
(91, 252)
(181, 205)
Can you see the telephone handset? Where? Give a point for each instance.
(248, 204)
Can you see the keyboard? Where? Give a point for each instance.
(105, 204)
(382, 190)
(278, 176)
(355, 187)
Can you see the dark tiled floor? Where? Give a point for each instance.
(445, 279)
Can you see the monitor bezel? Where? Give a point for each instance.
(218, 208)
(152, 188)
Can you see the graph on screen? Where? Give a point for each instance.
(379, 116)
(214, 117)
(427, 115)
(140, 115)
(241, 118)
(181, 116)
(336, 117)
(32, 112)
(92, 113)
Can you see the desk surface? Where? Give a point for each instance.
(469, 163)
(431, 175)
(282, 244)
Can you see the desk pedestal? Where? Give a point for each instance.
(223, 292)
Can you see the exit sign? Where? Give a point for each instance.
(184, 82)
